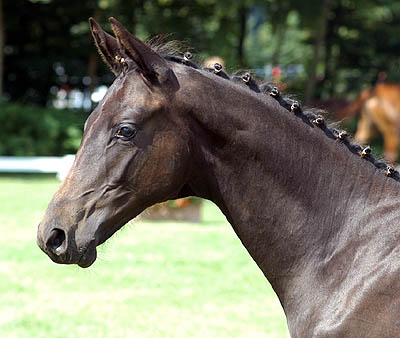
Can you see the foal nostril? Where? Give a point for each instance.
(55, 240)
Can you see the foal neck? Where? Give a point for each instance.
(286, 188)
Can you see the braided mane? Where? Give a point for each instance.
(309, 116)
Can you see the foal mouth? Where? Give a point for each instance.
(88, 257)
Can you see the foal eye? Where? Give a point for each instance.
(125, 132)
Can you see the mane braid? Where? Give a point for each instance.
(311, 117)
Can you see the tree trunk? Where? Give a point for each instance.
(318, 47)
(242, 16)
(332, 49)
(92, 70)
(1, 48)
(93, 63)
(280, 35)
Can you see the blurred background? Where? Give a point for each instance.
(163, 278)
(326, 52)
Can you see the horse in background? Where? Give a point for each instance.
(379, 109)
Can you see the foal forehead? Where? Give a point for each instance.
(127, 97)
(128, 89)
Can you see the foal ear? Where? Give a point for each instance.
(152, 65)
(107, 47)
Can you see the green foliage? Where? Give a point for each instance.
(361, 39)
(32, 130)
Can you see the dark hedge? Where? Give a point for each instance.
(33, 130)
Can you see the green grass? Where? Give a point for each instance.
(150, 279)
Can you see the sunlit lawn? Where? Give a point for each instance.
(150, 279)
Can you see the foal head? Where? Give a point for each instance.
(134, 153)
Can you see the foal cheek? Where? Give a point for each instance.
(163, 172)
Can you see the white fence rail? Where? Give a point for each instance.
(37, 164)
